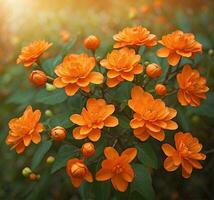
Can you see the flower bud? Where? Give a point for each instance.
(153, 70)
(48, 113)
(50, 160)
(50, 87)
(33, 177)
(26, 171)
(78, 170)
(92, 42)
(211, 52)
(38, 78)
(58, 133)
(160, 89)
(146, 63)
(88, 149)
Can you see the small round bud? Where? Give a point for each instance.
(50, 160)
(88, 149)
(153, 70)
(48, 113)
(58, 133)
(33, 177)
(146, 63)
(98, 58)
(160, 89)
(211, 52)
(50, 87)
(92, 42)
(38, 78)
(26, 171)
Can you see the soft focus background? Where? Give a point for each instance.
(22, 21)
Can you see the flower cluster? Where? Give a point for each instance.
(146, 109)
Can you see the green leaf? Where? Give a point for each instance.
(64, 154)
(206, 108)
(102, 190)
(142, 182)
(50, 64)
(182, 118)
(76, 103)
(147, 156)
(50, 97)
(22, 97)
(68, 46)
(123, 122)
(43, 148)
(122, 92)
(59, 120)
(85, 190)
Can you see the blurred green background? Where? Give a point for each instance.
(22, 21)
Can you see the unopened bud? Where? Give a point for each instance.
(48, 113)
(58, 133)
(211, 52)
(50, 87)
(50, 160)
(92, 42)
(38, 78)
(33, 177)
(146, 63)
(26, 171)
(160, 89)
(88, 149)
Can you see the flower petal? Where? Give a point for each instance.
(111, 153)
(129, 154)
(71, 89)
(77, 119)
(103, 175)
(168, 149)
(96, 77)
(119, 183)
(111, 121)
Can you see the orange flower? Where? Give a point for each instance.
(151, 115)
(75, 72)
(32, 52)
(186, 153)
(78, 171)
(192, 87)
(178, 44)
(93, 118)
(25, 129)
(136, 36)
(122, 64)
(117, 168)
